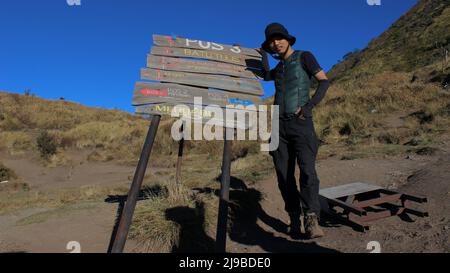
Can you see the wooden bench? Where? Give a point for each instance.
(360, 203)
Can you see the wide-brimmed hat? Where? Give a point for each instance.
(276, 29)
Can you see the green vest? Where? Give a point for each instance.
(292, 84)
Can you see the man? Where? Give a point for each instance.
(298, 140)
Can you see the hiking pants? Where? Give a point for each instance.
(297, 142)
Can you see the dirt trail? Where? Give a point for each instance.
(50, 230)
(78, 172)
(90, 226)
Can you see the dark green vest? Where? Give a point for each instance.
(292, 84)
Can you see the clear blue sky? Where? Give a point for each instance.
(92, 54)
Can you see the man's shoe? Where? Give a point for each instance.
(312, 228)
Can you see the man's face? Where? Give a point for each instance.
(278, 44)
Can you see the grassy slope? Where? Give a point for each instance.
(412, 42)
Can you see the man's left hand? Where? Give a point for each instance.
(299, 113)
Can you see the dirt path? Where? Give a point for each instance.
(50, 230)
(78, 172)
(43, 230)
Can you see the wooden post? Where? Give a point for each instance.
(127, 214)
(180, 156)
(221, 235)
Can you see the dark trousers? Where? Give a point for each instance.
(298, 142)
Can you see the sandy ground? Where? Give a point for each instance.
(51, 230)
(260, 228)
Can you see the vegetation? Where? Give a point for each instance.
(46, 145)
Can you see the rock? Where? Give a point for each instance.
(412, 142)
(423, 116)
(392, 186)
(427, 151)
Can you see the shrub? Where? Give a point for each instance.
(46, 145)
(6, 173)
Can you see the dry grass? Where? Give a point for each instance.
(356, 113)
(161, 219)
(114, 135)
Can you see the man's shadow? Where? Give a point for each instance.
(245, 210)
(192, 237)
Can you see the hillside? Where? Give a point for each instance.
(418, 39)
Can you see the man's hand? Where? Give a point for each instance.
(299, 113)
(265, 62)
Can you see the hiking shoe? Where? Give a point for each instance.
(312, 228)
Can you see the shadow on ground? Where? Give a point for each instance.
(245, 210)
(193, 237)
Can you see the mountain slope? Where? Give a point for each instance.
(419, 38)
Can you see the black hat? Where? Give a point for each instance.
(276, 29)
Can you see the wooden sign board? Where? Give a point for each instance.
(199, 115)
(237, 59)
(145, 93)
(161, 40)
(181, 69)
(186, 65)
(241, 85)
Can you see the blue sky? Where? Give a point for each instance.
(92, 54)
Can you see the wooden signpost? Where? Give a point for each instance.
(170, 41)
(231, 58)
(180, 69)
(245, 86)
(146, 93)
(186, 65)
